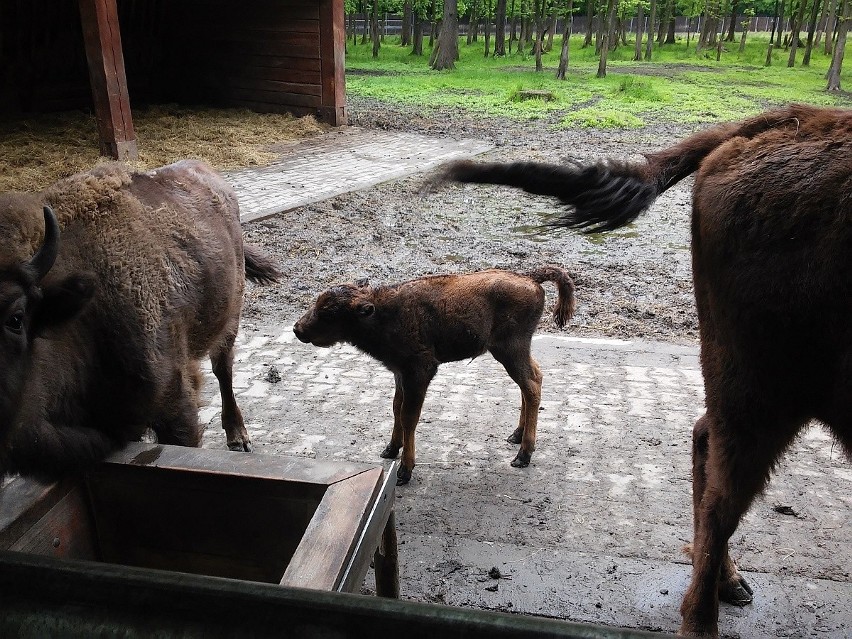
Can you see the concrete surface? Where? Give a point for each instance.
(592, 530)
(342, 160)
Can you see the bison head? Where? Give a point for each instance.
(28, 309)
(336, 315)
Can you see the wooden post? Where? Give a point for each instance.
(332, 51)
(102, 37)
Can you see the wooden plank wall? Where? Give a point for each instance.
(266, 55)
(42, 59)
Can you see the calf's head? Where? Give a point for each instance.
(28, 310)
(336, 315)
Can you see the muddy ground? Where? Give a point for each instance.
(592, 531)
(633, 283)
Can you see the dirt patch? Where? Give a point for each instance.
(634, 283)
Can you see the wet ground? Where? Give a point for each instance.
(592, 530)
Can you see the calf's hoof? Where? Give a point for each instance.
(403, 476)
(522, 460)
(242, 446)
(516, 436)
(736, 591)
(390, 452)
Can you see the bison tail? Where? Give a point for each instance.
(600, 197)
(260, 268)
(609, 194)
(566, 303)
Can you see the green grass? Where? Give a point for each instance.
(677, 86)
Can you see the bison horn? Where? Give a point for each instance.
(46, 255)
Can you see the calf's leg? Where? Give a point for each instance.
(414, 387)
(526, 373)
(222, 360)
(392, 449)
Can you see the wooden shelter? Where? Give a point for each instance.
(265, 55)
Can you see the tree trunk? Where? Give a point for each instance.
(566, 39)
(797, 27)
(839, 48)
(590, 16)
(433, 22)
(806, 61)
(500, 29)
(649, 44)
(821, 22)
(670, 32)
(417, 28)
(745, 25)
(610, 19)
(829, 26)
(366, 22)
(734, 6)
(487, 26)
(471, 23)
(668, 13)
(374, 26)
(405, 34)
(551, 29)
(448, 38)
(640, 19)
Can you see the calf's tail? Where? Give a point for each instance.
(565, 304)
(260, 268)
(611, 193)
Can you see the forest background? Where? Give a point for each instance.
(750, 33)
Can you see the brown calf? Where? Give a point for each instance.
(414, 326)
(772, 267)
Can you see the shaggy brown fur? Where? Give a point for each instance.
(772, 267)
(414, 326)
(104, 342)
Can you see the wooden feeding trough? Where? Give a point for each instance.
(261, 518)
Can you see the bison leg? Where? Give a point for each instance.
(735, 469)
(733, 588)
(392, 449)
(414, 387)
(525, 371)
(222, 360)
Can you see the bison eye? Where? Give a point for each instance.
(15, 323)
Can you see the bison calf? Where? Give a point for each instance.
(414, 326)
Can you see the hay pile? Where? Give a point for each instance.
(36, 151)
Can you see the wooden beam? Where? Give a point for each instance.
(102, 37)
(333, 54)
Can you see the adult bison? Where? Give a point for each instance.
(112, 286)
(772, 268)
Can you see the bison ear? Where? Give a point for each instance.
(365, 309)
(62, 302)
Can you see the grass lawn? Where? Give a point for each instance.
(676, 86)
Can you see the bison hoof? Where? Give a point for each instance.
(736, 592)
(516, 437)
(242, 447)
(522, 460)
(403, 476)
(390, 452)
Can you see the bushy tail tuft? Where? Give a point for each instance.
(260, 268)
(565, 305)
(609, 194)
